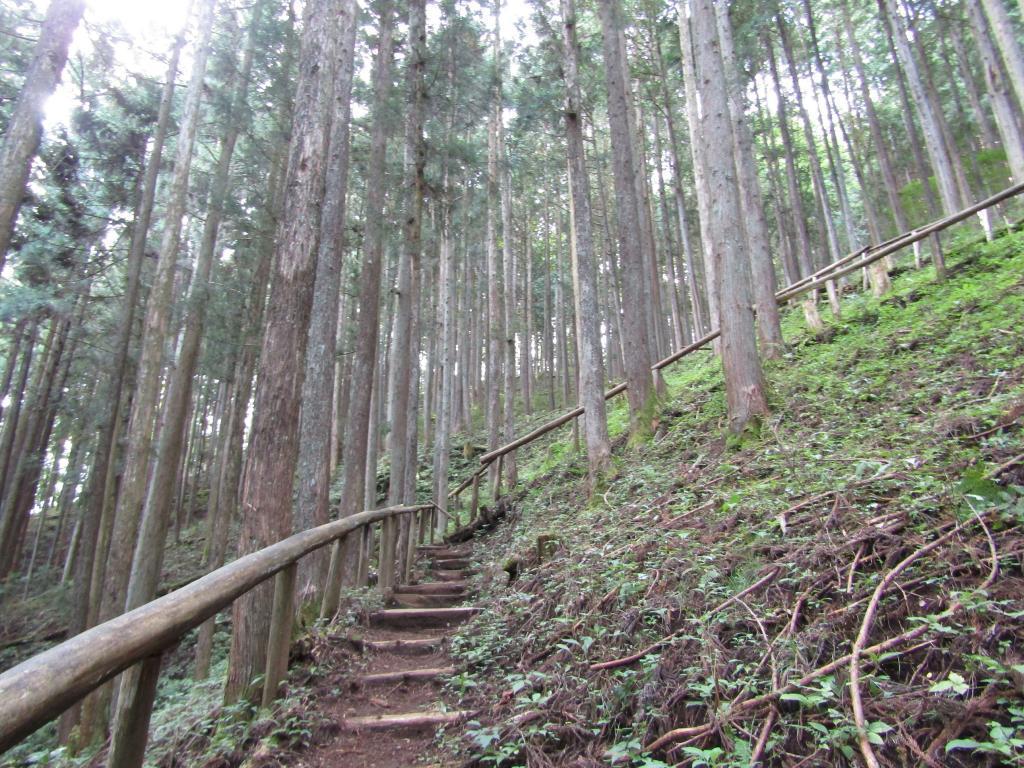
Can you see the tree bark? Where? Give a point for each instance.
(358, 422)
(754, 222)
(495, 315)
(591, 365)
(999, 91)
(404, 353)
(885, 162)
(266, 498)
(817, 176)
(635, 342)
(314, 464)
(1008, 40)
(744, 382)
(927, 114)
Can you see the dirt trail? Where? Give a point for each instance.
(390, 712)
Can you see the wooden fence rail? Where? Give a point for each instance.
(39, 689)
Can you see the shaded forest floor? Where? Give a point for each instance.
(886, 435)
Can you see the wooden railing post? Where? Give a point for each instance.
(424, 517)
(412, 521)
(386, 565)
(280, 632)
(365, 550)
(332, 590)
(128, 747)
(474, 504)
(497, 480)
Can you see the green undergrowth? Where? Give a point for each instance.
(884, 436)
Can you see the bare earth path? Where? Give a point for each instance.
(389, 714)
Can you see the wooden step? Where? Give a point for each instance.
(421, 617)
(432, 588)
(414, 647)
(451, 575)
(428, 601)
(451, 564)
(408, 676)
(448, 552)
(404, 721)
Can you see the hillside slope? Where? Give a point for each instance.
(883, 500)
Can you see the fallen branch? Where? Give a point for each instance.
(658, 644)
(762, 739)
(1005, 466)
(992, 431)
(856, 701)
(680, 733)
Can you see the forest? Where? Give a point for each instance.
(468, 383)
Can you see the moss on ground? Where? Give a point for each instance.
(881, 439)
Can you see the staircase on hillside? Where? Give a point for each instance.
(391, 713)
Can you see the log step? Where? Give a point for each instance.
(448, 552)
(416, 647)
(450, 575)
(432, 588)
(428, 601)
(404, 721)
(451, 564)
(408, 676)
(421, 617)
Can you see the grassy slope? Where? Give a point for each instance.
(867, 456)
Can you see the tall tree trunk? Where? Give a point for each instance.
(981, 118)
(149, 549)
(929, 117)
(999, 92)
(446, 299)
(495, 315)
(401, 390)
(25, 127)
(266, 498)
(885, 162)
(699, 319)
(525, 352)
(911, 130)
(224, 503)
(314, 464)
(699, 170)
(591, 365)
(744, 382)
(85, 583)
(817, 176)
(509, 307)
(1008, 40)
(640, 389)
(358, 422)
(754, 222)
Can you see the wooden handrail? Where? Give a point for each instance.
(40, 688)
(897, 244)
(844, 266)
